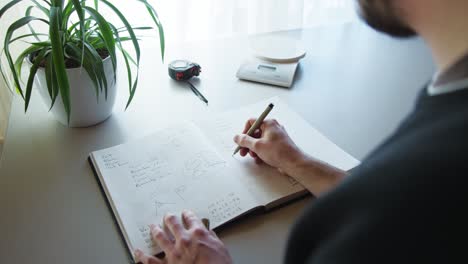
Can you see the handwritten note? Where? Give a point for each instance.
(225, 208)
(111, 161)
(149, 171)
(145, 234)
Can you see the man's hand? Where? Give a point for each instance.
(270, 144)
(186, 242)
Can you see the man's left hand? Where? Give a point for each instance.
(186, 241)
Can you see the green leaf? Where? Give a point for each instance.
(52, 83)
(13, 27)
(58, 59)
(19, 61)
(107, 35)
(89, 65)
(122, 29)
(155, 17)
(94, 57)
(49, 76)
(32, 74)
(42, 44)
(42, 8)
(134, 41)
(72, 29)
(28, 13)
(27, 35)
(125, 56)
(81, 17)
(8, 6)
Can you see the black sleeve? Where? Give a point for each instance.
(391, 213)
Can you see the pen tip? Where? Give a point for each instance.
(271, 105)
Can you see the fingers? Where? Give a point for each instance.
(161, 238)
(191, 220)
(246, 141)
(145, 259)
(244, 151)
(174, 224)
(253, 154)
(257, 133)
(248, 124)
(271, 122)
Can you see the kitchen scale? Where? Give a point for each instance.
(275, 61)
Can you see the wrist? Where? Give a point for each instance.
(295, 159)
(316, 176)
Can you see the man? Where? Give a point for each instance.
(404, 202)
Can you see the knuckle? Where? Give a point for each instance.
(243, 140)
(176, 254)
(185, 242)
(258, 144)
(199, 232)
(172, 219)
(159, 235)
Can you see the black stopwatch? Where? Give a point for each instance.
(182, 70)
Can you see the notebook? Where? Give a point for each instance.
(189, 165)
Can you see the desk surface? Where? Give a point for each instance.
(354, 86)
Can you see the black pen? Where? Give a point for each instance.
(196, 92)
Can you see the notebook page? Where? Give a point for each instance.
(168, 171)
(264, 182)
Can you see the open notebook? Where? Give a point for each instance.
(190, 166)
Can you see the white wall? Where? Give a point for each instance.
(5, 94)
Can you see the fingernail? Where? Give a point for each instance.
(166, 216)
(138, 254)
(236, 138)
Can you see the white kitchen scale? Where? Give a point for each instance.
(275, 61)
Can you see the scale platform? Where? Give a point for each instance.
(274, 61)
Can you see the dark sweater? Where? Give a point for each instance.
(405, 203)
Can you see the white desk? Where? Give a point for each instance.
(354, 86)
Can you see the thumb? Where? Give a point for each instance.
(246, 141)
(145, 259)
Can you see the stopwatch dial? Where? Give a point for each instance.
(180, 64)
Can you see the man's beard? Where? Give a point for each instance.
(383, 17)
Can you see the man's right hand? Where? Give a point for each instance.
(270, 144)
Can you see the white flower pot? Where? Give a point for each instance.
(86, 109)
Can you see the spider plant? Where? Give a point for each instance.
(78, 36)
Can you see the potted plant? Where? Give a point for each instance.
(74, 63)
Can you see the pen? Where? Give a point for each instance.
(197, 93)
(257, 124)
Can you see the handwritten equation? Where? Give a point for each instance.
(145, 234)
(149, 171)
(225, 208)
(111, 161)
